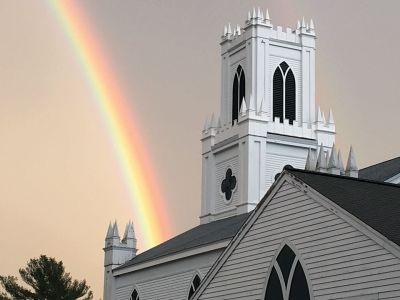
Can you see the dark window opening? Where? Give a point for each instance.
(284, 93)
(135, 295)
(274, 289)
(194, 286)
(285, 261)
(290, 267)
(238, 92)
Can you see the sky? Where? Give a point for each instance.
(60, 181)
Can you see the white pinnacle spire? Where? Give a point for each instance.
(243, 108)
(213, 122)
(248, 16)
(267, 15)
(340, 162)
(238, 29)
(321, 162)
(310, 162)
(330, 119)
(333, 164)
(303, 23)
(260, 109)
(323, 118)
(109, 231)
(351, 167)
(252, 105)
(254, 13)
(229, 29)
(225, 31)
(206, 124)
(298, 24)
(115, 232)
(319, 116)
(312, 24)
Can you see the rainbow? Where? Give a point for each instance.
(150, 220)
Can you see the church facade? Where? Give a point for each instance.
(281, 216)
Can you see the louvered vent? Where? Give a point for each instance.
(290, 97)
(238, 92)
(278, 95)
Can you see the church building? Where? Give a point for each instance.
(282, 217)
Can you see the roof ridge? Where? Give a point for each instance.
(289, 169)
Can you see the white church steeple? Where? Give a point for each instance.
(268, 116)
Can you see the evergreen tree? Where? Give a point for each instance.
(47, 280)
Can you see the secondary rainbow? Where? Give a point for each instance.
(151, 220)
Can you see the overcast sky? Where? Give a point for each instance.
(60, 182)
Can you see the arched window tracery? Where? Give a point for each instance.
(134, 295)
(194, 285)
(287, 280)
(238, 92)
(284, 93)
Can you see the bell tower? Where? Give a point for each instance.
(267, 117)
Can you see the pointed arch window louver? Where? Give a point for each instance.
(284, 93)
(135, 295)
(287, 280)
(238, 92)
(194, 285)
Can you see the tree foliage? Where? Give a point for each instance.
(47, 280)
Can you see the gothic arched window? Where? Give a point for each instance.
(287, 280)
(284, 93)
(238, 92)
(194, 285)
(135, 295)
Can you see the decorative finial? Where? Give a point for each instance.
(303, 23)
(238, 29)
(298, 24)
(321, 162)
(243, 108)
(248, 16)
(330, 119)
(310, 162)
(254, 13)
(267, 15)
(351, 167)
(312, 24)
(225, 31)
(229, 29)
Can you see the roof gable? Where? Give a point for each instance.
(321, 212)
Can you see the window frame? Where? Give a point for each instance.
(298, 258)
(284, 76)
(191, 283)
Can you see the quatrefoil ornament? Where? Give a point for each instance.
(228, 184)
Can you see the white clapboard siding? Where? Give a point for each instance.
(341, 262)
(175, 286)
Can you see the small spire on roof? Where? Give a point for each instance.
(310, 162)
(267, 15)
(340, 163)
(312, 24)
(351, 167)
(333, 164)
(254, 13)
(229, 29)
(321, 161)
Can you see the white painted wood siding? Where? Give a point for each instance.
(340, 261)
(166, 281)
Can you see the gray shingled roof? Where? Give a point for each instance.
(377, 204)
(201, 235)
(381, 171)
